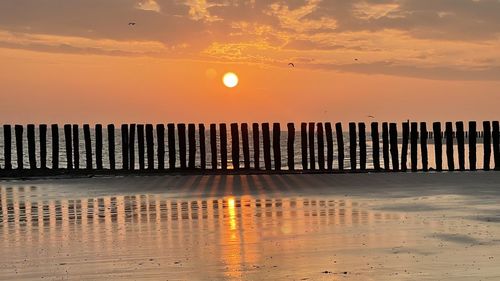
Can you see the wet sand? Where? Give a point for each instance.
(253, 227)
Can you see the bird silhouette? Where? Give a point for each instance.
(356, 59)
(291, 64)
(131, 23)
(371, 116)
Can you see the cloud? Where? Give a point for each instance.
(148, 5)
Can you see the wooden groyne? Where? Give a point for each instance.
(185, 147)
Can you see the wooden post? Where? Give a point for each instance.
(449, 146)
(131, 146)
(385, 145)
(376, 146)
(329, 145)
(256, 145)
(487, 144)
(140, 145)
(111, 146)
(160, 140)
(393, 133)
(223, 146)
(7, 146)
(172, 157)
(423, 146)
(203, 153)
(18, 129)
(362, 146)
(414, 146)
(404, 145)
(98, 146)
(125, 150)
(267, 146)
(352, 145)
(291, 146)
(150, 146)
(235, 146)
(438, 141)
(321, 145)
(88, 146)
(246, 145)
(460, 135)
(213, 145)
(472, 145)
(340, 145)
(312, 153)
(69, 148)
(277, 146)
(496, 145)
(192, 146)
(31, 146)
(54, 130)
(303, 139)
(76, 147)
(42, 129)
(181, 134)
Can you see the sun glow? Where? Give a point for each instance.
(230, 80)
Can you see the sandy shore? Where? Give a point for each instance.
(253, 227)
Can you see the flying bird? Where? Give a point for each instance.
(291, 64)
(371, 116)
(131, 23)
(356, 59)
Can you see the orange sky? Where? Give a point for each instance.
(354, 60)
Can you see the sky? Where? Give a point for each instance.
(81, 61)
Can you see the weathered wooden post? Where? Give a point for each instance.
(414, 146)
(192, 146)
(31, 146)
(460, 135)
(131, 146)
(111, 146)
(291, 146)
(438, 149)
(376, 146)
(203, 153)
(18, 129)
(125, 150)
(404, 145)
(423, 146)
(303, 143)
(54, 130)
(150, 146)
(321, 145)
(98, 146)
(160, 140)
(235, 146)
(171, 146)
(68, 144)
(352, 145)
(256, 145)
(487, 144)
(223, 146)
(140, 145)
(385, 145)
(42, 129)
(76, 147)
(340, 144)
(7, 146)
(181, 135)
(329, 145)
(362, 146)
(277, 146)
(393, 133)
(213, 145)
(312, 153)
(496, 145)
(267, 146)
(246, 145)
(449, 146)
(88, 146)
(472, 145)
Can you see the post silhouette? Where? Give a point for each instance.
(385, 145)
(172, 157)
(460, 136)
(329, 145)
(31, 146)
(352, 145)
(277, 146)
(213, 145)
(131, 146)
(88, 146)
(18, 130)
(181, 135)
(423, 146)
(125, 161)
(150, 146)
(376, 146)
(98, 146)
(414, 144)
(160, 140)
(340, 145)
(42, 129)
(7, 146)
(111, 146)
(140, 145)
(404, 146)
(256, 146)
(246, 145)
(76, 147)
(266, 138)
(291, 146)
(321, 146)
(487, 145)
(312, 156)
(192, 145)
(203, 152)
(362, 146)
(449, 146)
(438, 149)
(303, 145)
(393, 133)
(472, 145)
(54, 131)
(235, 146)
(223, 146)
(496, 145)
(69, 146)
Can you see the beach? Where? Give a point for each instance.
(432, 226)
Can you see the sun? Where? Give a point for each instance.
(230, 80)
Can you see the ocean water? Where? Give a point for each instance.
(283, 142)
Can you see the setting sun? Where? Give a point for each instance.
(230, 80)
